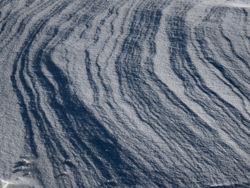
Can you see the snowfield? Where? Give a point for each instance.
(124, 93)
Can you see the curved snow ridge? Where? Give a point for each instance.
(131, 93)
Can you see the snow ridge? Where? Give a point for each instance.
(125, 93)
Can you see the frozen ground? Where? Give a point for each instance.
(124, 93)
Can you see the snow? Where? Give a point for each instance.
(135, 93)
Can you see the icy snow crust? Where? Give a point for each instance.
(129, 93)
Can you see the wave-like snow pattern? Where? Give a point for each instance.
(135, 93)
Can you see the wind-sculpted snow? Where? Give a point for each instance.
(135, 93)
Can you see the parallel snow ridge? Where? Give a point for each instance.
(134, 93)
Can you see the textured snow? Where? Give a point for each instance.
(124, 93)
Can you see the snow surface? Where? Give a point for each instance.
(124, 93)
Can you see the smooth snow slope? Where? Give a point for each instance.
(124, 93)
